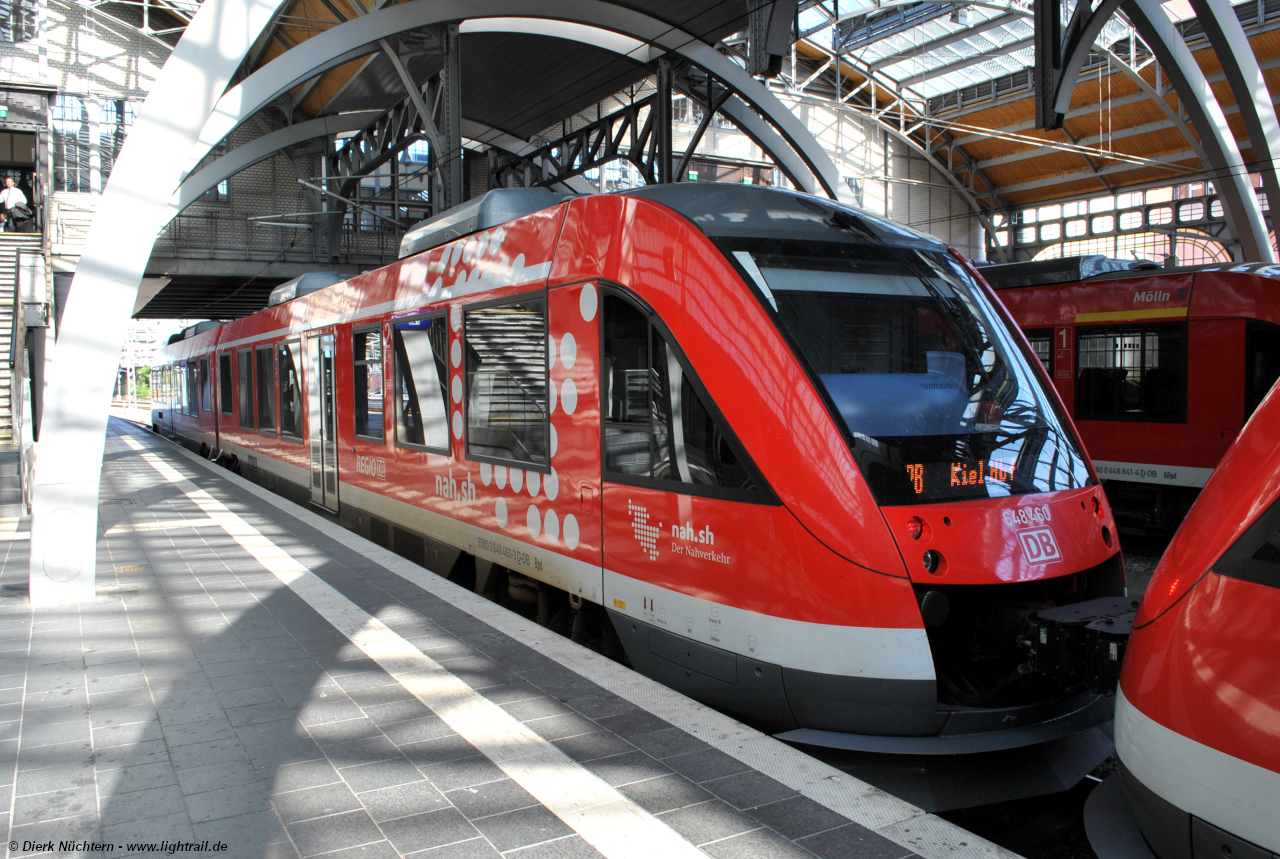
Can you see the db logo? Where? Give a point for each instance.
(1039, 545)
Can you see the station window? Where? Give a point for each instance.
(422, 416)
(1042, 343)
(266, 390)
(366, 353)
(193, 388)
(226, 384)
(244, 359)
(1132, 374)
(657, 423)
(288, 355)
(205, 393)
(507, 381)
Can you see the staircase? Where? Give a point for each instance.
(10, 243)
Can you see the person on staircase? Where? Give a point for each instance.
(14, 202)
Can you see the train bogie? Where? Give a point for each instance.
(788, 458)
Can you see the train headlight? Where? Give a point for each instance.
(932, 561)
(915, 527)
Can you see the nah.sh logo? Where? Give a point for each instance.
(646, 535)
(1039, 545)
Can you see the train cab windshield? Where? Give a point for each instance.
(938, 400)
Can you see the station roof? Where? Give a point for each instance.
(957, 75)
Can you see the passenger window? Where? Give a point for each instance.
(657, 423)
(244, 360)
(1255, 556)
(1042, 343)
(422, 416)
(1132, 374)
(204, 385)
(193, 383)
(1262, 362)
(288, 355)
(507, 381)
(366, 351)
(266, 393)
(226, 384)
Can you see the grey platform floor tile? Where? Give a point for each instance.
(226, 802)
(380, 774)
(312, 802)
(229, 773)
(495, 797)
(760, 844)
(476, 848)
(30, 835)
(399, 711)
(522, 828)
(281, 731)
(798, 816)
(255, 714)
(363, 751)
(302, 775)
(48, 735)
(599, 744)
(705, 765)
(749, 789)
(141, 777)
(142, 804)
(427, 830)
(337, 832)
(268, 756)
(438, 751)
(665, 744)
(324, 711)
(416, 730)
(402, 800)
(74, 802)
(204, 754)
(172, 828)
(246, 834)
(569, 847)
(558, 727)
(631, 724)
(45, 779)
(467, 772)
(78, 753)
(853, 842)
(120, 735)
(377, 850)
(627, 768)
(665, 794)
(708, 821)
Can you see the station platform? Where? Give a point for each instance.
(255, 681)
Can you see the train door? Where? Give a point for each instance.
(573, 517)
(322, 426)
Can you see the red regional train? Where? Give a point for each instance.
(1162, 367)
(1197, 726)
(792, 459)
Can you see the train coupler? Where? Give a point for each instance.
(1083, 642)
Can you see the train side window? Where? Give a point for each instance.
(1262, 362)
(263, 367)
(657, 422)
(244, 360)
(180, 388)
(205, 393)
(421, 374)
(366, 352)
(1132, 373)
(226, 384)
(1255, 556)
(506, 362)
(1042, 342)
(287, 357)
(193, 388)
